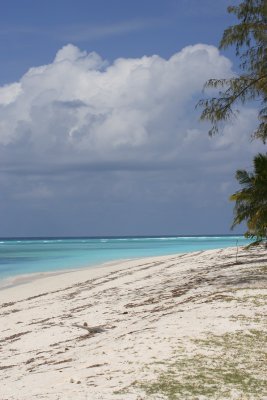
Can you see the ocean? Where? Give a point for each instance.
(37, 255)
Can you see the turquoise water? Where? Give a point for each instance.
(26, 256)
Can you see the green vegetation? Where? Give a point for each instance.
(251, 201)
(220, 367)
(249, 37)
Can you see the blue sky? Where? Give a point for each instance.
(33, 30)
(98, 129)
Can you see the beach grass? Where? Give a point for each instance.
(232, 365)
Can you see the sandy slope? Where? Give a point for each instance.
(188, 326)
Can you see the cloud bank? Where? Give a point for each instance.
(79, 103)
(81, 118)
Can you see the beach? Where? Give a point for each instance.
(185, 326)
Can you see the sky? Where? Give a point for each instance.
(99, 133)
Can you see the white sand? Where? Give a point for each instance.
(149, 313)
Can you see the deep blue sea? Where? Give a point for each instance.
(27, 256)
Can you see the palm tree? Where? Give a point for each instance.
(251, 201)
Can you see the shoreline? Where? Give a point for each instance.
(58, 279)
(21, 279)
(46, 280)
(139, 329)
(20, 269)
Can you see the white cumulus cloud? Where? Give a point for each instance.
(81, 104)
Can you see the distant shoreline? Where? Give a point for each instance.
(116, 237)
